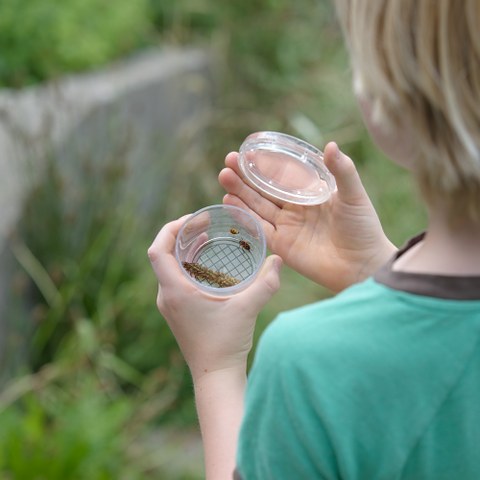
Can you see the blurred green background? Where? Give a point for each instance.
(102, 391)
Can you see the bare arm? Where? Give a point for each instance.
(215, 336)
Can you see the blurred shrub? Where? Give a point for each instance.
(269, 47)
(102, 368)
(187, 20)
(78, 438)
(282, 66)
(82, 247)
(40, 39)
(72, 420)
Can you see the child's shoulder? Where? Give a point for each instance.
(358, 303)
(328, 328)
(371, 325)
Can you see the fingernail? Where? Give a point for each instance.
(278, 264)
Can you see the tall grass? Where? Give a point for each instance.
(101, 368)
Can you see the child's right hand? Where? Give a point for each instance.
(335, 244)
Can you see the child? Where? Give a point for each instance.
(381, 381)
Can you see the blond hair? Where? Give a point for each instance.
(418, 63)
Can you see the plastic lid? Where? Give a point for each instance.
(286, 168)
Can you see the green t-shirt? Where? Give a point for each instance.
(375, 383)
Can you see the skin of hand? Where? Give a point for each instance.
(335, 244)
(213, 333)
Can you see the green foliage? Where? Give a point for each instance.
(41, 39)
(272, 54)
(187, 20)
(72, 419)
(83, 251)
(72, 438)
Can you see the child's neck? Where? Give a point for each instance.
(445, 250)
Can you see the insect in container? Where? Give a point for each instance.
(215, 278)
(245, 245)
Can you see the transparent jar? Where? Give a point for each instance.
(285, 168)
(221, 249)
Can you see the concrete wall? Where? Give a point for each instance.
(146, 107)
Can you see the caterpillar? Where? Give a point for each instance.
(202, 273)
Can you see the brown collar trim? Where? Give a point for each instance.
(438, 286)
(236, 475)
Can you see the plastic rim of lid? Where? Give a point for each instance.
(291, 149)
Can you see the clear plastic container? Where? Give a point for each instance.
(221, 249)
(285, 168)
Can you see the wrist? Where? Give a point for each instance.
(229, 357)
(234, 372)
(382, 255)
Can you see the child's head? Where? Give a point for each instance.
(416, 64)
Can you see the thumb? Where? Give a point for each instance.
(265, 285)
(349, 185)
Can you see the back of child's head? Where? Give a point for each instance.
(418, 64)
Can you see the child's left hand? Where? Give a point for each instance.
(214, 333)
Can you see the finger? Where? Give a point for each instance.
(260, 205)
(264, 287)
(349, 184)
(160, 299)
(160, 252)
(231, 161)
(268, 227)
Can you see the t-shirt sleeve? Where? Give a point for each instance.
(282, 435)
